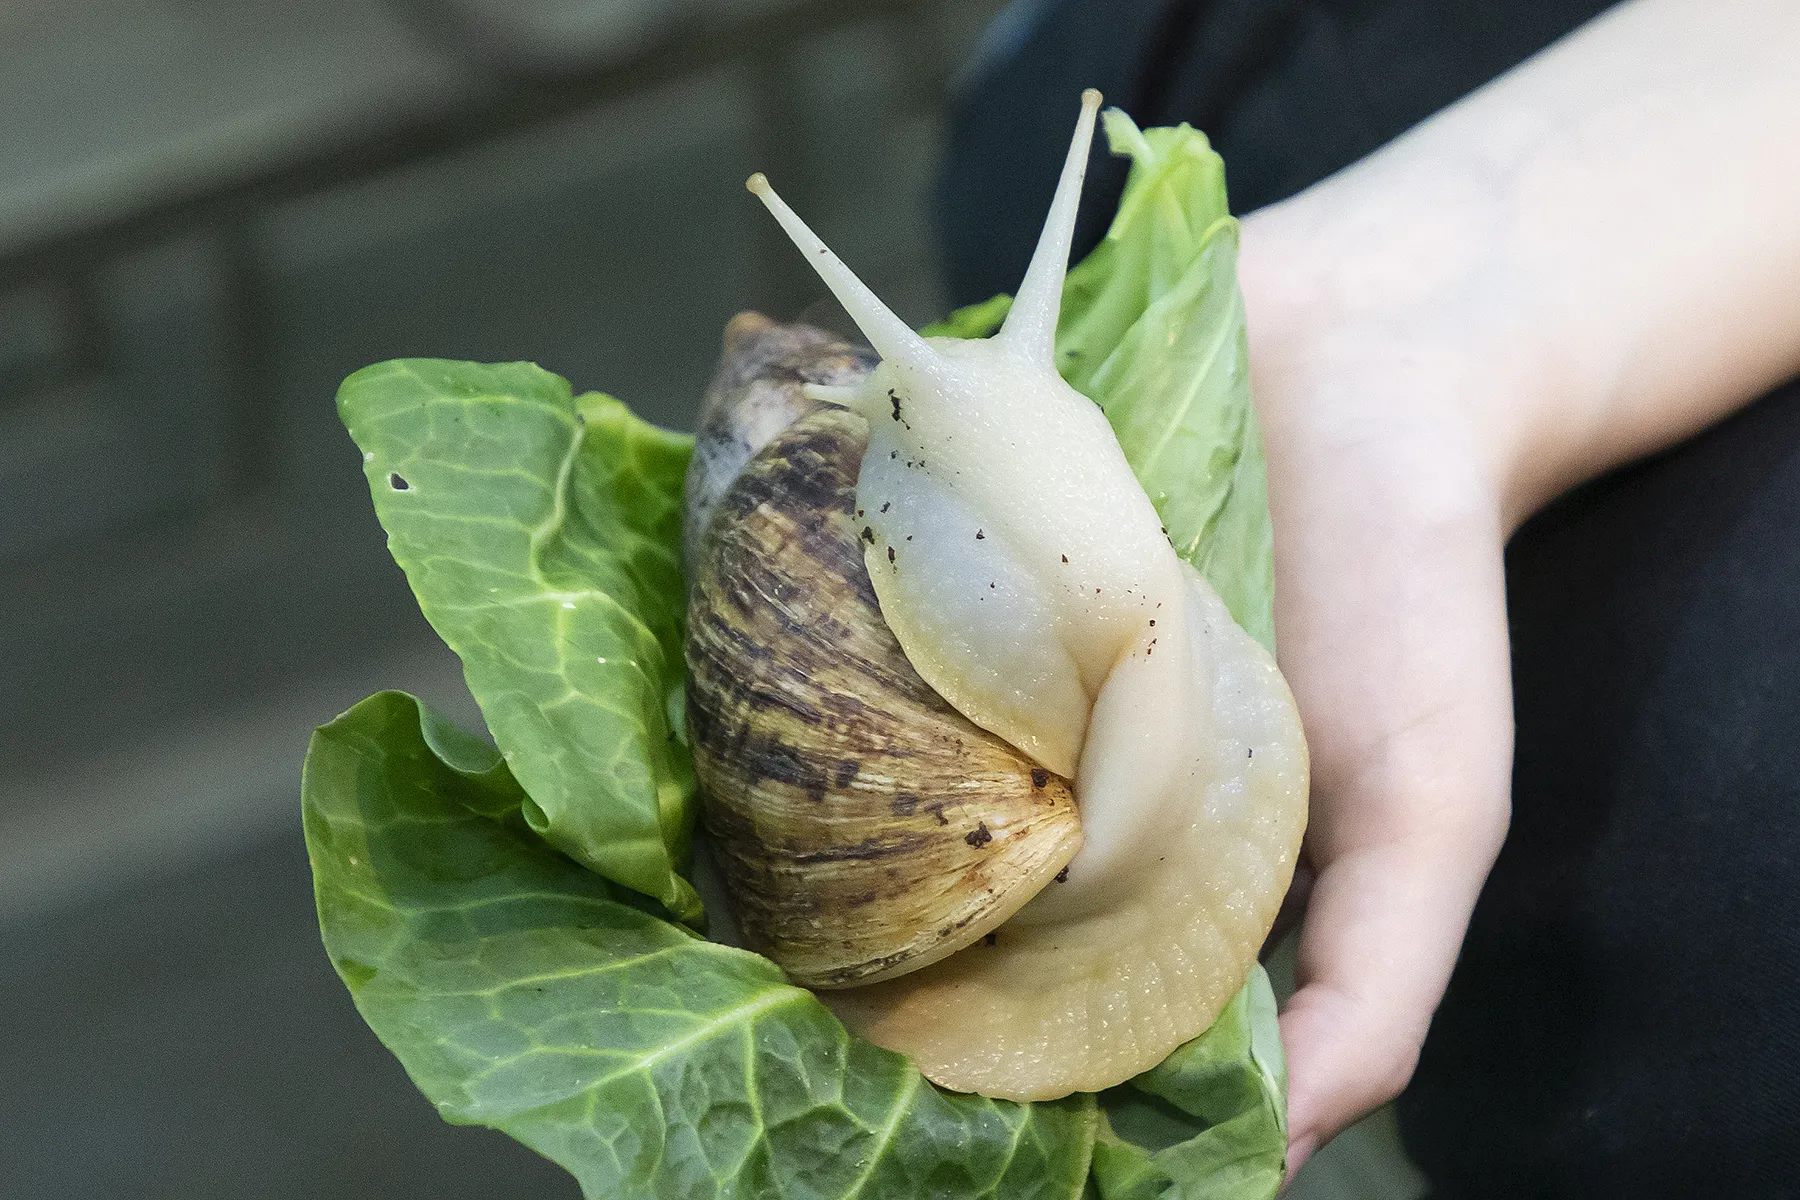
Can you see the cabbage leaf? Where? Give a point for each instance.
(541, 533)
(520, 992)
(501, 916)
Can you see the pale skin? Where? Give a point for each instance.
(1589, 259)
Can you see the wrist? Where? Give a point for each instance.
(1381, 306)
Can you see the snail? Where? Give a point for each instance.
(982, 759)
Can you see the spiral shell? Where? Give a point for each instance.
(864, 828)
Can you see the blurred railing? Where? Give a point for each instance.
(181, 286)
(498, 74)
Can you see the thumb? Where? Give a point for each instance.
(1381, 934)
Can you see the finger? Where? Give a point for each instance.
(1396, 648)
(1407, 823)
(1380, 938)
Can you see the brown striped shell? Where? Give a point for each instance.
(863, 827)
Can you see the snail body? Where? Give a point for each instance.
(1011, 560)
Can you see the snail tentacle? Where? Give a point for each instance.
(891, 337)
(1031, 322)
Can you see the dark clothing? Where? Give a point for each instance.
(1625, 1018)
(1288, 91)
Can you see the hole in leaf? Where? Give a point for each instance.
(397, 482)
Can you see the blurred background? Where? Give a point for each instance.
(211, 211)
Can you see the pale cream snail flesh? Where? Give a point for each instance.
(1026, 576)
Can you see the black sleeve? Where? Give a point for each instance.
(1289, 92)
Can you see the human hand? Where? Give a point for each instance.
(1443, 337)
(1391, 630)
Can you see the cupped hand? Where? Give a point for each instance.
(1509, 299)
(1390, 624)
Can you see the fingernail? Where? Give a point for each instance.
(1299, 1151)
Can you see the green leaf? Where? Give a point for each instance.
(540, 531)
(1210, 1121)
(1152, 330)
(520, 993)
(972, 321)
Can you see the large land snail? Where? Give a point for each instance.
(982, 758)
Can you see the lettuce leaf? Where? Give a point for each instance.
(1210, 1121)
(519, 992)
(540, 531)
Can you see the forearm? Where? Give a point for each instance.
(1612, 230)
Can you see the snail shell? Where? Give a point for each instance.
(863, 827)
(754, 395)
